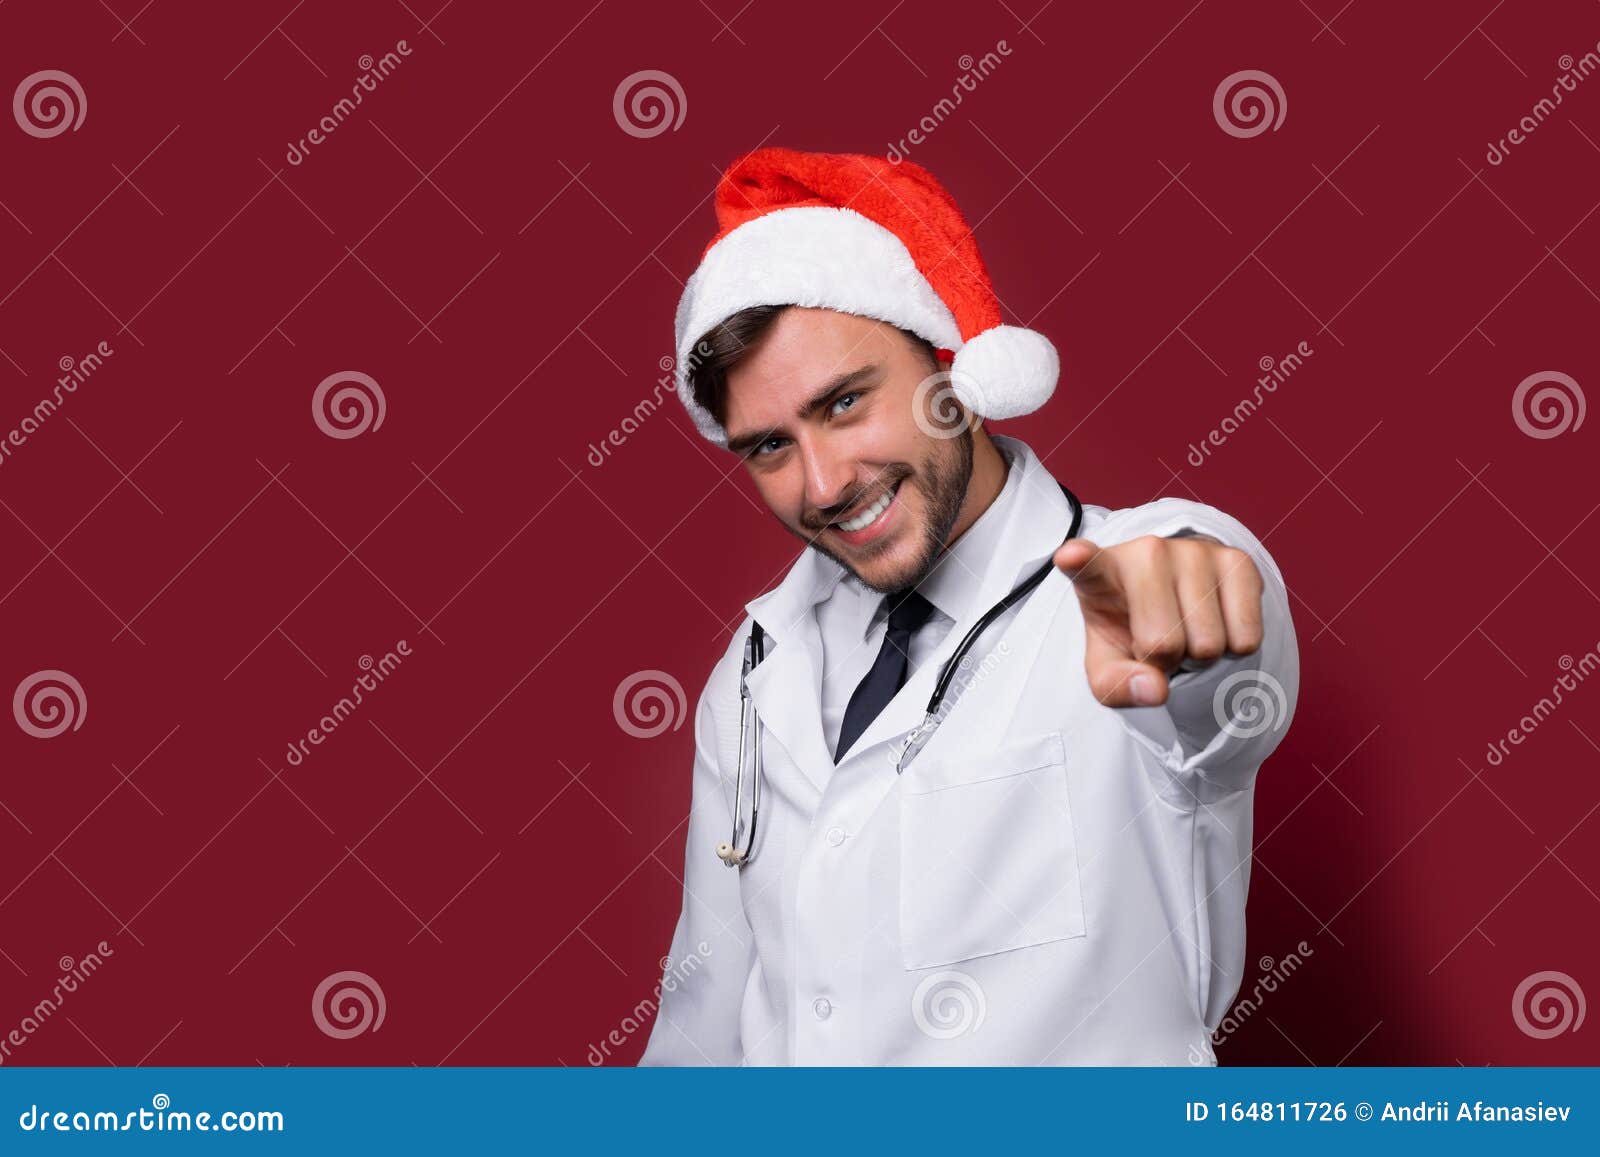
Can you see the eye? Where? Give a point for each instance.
(844, 402)
(771, 446)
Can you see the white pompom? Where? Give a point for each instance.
(1005, 372)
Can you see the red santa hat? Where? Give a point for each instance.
(866, 236)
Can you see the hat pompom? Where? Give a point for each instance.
(1005, 371)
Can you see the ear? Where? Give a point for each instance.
(946, 359)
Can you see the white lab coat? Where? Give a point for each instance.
(1050, 881)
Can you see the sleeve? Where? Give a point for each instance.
(1222, 719)
(704, 974)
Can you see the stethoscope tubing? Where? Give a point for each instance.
(731, 853)
(948, 671)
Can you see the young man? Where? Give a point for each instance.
(1054, 873)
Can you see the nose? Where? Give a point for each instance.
(830, 477)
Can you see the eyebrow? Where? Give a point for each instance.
(836, 386)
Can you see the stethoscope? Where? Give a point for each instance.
(741, 849)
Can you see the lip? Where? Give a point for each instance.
(882, 526)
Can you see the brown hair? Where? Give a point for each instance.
(727, 345)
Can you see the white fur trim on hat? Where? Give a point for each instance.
(1005, 371)
(812, 255)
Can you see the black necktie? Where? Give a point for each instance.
(908, 611)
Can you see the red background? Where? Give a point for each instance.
(482, 238)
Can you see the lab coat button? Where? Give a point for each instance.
(822, 1008)
(835, 837)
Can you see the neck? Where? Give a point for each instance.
(989, 469)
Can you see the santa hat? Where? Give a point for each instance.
(866, 236)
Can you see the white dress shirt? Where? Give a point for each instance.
(1049, 881)
(853, 620)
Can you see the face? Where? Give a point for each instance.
(841, 443)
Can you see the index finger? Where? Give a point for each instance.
(1090, 568)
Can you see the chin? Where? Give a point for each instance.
(893, 571)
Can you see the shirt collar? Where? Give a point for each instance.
(953, 585)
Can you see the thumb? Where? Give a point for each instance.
(1116, 678)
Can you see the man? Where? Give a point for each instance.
(1056, 872)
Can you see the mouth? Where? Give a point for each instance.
(870, 521)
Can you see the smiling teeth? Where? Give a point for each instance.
(868, 516)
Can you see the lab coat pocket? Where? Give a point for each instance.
(988, 862)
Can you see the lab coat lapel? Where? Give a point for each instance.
(1035, 527)
(787, 685)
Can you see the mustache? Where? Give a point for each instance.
(887, 479)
